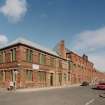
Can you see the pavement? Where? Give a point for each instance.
(102, 95)
(75, 95)
(39, 89)
(45, 88)
(3, 89)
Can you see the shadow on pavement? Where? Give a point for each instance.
(96, 88)
(102, 95)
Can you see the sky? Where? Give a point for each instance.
(81, 23)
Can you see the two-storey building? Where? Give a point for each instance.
(28, 64)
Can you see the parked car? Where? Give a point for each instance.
(100, 86)
(85, 83)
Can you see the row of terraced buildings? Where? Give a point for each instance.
(29, 64)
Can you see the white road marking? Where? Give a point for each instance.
(89, 102)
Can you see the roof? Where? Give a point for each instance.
(31, 44)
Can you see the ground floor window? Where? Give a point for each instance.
(68, 76)
(8, 75)
(64, 77)
(60, 78)
(41, 76)
(51, 79)
(29, 75)
(1, 75)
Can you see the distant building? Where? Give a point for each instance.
(80, 68)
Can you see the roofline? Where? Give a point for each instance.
(19, 43)
(5, 47)
(80, 56)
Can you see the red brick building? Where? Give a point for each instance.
(29, 64)
(98, 76)
(81, 69)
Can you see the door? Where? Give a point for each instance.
(51, 79)
(60, 78)
(14, 77)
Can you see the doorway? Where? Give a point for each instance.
(51, 79)
(60, 78)
(14, 77)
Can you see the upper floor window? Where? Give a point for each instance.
(42, 58)
(2, 56)
(71, 65)
(65, 64)
(13, 54)
(65, 77)
(1, 75)
(60, 63)
(29, 55)
(52, 61)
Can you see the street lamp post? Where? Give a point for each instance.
(15, 72)
(14, 78)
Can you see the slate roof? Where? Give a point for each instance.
(31, 44)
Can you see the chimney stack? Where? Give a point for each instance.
(61, 49)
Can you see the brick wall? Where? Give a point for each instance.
(82, 68)
(21, 65)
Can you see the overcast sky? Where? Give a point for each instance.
(81, 23)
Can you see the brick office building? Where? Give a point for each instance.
(30, 65)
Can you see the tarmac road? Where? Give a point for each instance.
(62, 96)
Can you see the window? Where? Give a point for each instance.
(29, 75)
(52, 61)
(79, 66)
(13, 54)
(1, 75)
(74, 65)
(1, 56)
(64, 77)
(42, 58)
(42, 76)
(7, 75)
(60, 63)
(29, 55)
(69, 76)
(39, 76)
(60, 78)
(65, 64)
(71, 66)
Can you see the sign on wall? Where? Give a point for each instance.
(35, 66)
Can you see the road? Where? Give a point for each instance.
(62, 96)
